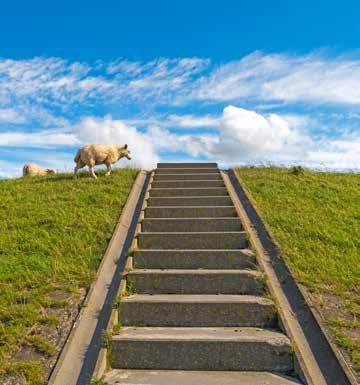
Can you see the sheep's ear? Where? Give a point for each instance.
(126, 146)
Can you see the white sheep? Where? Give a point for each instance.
(94, 154)
(32, 169)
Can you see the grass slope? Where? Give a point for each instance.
(315, 218)
(54, 231)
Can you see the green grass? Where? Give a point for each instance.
(315, 218)
(54, 231)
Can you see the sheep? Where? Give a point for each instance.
(93, 154)
(32, 169)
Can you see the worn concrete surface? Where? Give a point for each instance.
(212, 240)
(190, 224)
(188, 191)
(189, 201)
(202, 349)
(187, 183)
(194, 259)
(202, 281)
(175, 377)
(187, 170)
(190, 212)
(187, 165)
(196, 310)
(210, 176)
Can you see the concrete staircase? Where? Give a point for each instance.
(197, 311)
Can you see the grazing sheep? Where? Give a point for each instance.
(32, 169)
(93, 154)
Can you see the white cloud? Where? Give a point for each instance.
(107, 130)
(192, 121)
(341, 154)
(193, 145)
(243, 136)
(45, 89)
(58, 82)
(313, 78)
(9, 169)
(37, 139)
(246, 135)
(9, 115)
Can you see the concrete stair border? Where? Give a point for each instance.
(178, 318)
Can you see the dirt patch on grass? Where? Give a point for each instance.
(46, 341)
(343, 323)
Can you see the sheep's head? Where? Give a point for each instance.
(124, 152)
(50, 171)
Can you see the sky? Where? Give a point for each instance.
(237, 82)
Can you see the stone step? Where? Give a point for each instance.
(190, 212)
(189, 201)
(202, 281)
(190, 224)
(193, 259)
(209, 176)
(187, 165)
(192, 192)
(187, 170)
(192, 377)
(202, 310)
(187, 183)
(211, 240)
(247, 349)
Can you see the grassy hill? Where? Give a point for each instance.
(54, 231)
(315, 218)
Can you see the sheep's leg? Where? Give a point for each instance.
(92, 172)
(109, 169)
(77, 168)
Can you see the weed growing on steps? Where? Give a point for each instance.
(54, 233)
(130, 288)
(315, 219)
(97, 381)
(107, 343)
(116, 328)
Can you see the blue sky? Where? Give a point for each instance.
(232, 81)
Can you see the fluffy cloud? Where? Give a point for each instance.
(9, 115)
(246, 135)
(242, 136)
(192, 145)
(10, 169)
(313, 78)
(51, 92)
(192, 121)
(53, 86)
(38, 139)
(107, 130)
(57, 82)
(341, 154)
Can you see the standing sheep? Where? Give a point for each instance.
(32, 169)
(94, 154)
